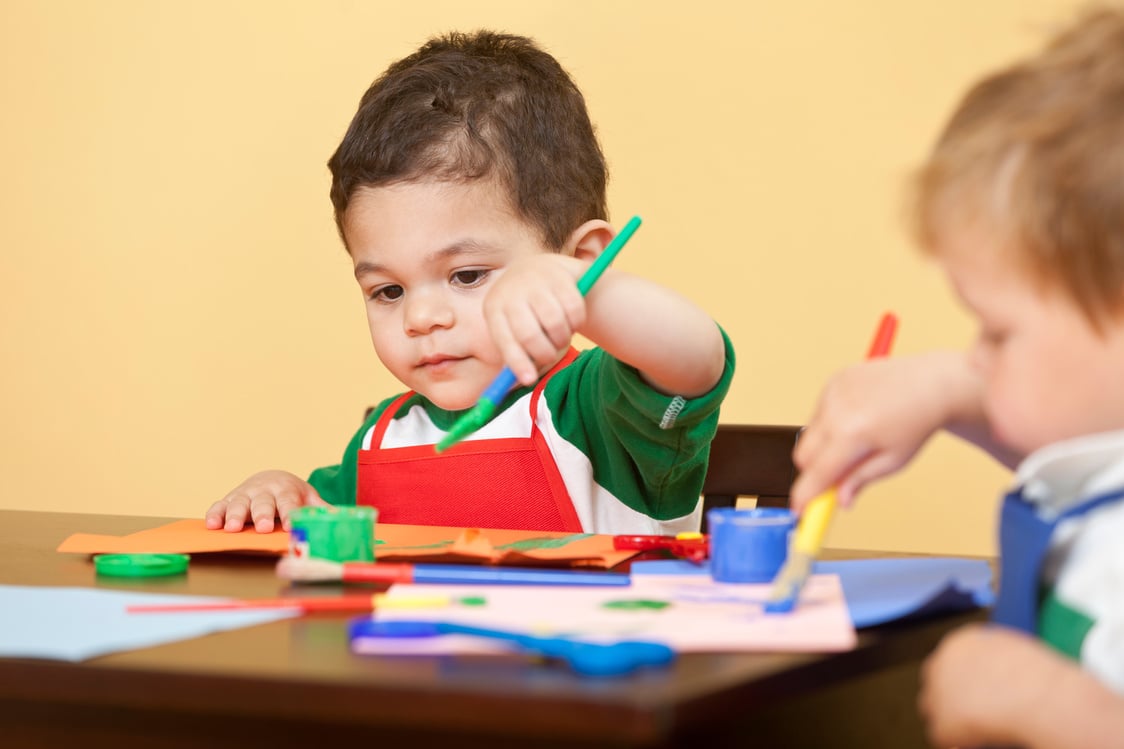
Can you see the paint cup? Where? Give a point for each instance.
(339, 534)
(748, 546)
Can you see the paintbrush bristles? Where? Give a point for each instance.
(789, 582)
(315, 570)
(467, 424)
(308, 570)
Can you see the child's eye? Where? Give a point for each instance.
(470, 277)
(386, 294)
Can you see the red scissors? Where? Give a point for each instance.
(692, 546)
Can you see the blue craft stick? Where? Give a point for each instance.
(452, 574)
(491, 398)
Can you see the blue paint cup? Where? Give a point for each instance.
(748, 546)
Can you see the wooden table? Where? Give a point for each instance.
(294, 683)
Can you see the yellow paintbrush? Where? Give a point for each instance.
(807, 539)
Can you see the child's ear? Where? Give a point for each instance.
(589, 240)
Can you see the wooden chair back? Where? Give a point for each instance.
(750, 460)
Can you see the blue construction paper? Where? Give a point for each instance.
(884, 590)
(72, 624)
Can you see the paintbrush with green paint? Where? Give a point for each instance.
(479, 414)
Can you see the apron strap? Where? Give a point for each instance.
(564, 362)
(385, 418)
(1024, 541)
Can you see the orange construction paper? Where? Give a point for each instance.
(407, 543)
(178, 537)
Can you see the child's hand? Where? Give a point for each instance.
(533, 310)
(872, 418)
(987, 685)
(263, 497)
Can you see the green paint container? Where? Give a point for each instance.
(339, 534)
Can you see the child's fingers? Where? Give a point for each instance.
(512, 353)
(808, 444)
(216, 515)
(288, 499)
(237, 511)
(874, 467)
(263, 510)
(834, 462)
(557, 319)
(528, 332)
(571, 306)
(818, 432)
(521, 342)
(807, 456)
(259, 499)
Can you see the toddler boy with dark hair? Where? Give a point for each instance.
(469, 192)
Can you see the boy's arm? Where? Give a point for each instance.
(991, 686)
(535, 307)
(647, 449)
(674, 345)
(1083, 714)
(872, 418)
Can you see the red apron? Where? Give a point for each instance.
(491, 483)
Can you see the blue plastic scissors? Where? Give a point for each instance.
(585, 657)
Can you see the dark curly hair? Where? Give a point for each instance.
(473, 106)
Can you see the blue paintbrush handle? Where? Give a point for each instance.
(500, 386)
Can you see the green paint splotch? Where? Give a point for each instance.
(543, 542)
(435, 545)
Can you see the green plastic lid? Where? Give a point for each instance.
(140, 565)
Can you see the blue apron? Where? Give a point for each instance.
(1024, 539)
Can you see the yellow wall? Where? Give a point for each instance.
(177, 311)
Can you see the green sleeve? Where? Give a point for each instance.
(649, 449)
(337, 484)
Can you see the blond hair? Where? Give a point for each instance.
(1036, 152)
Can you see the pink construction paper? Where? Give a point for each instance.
(703, 616)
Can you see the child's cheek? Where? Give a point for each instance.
(1017, 420)
(999, 407)
(483, 344)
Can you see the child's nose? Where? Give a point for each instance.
(426, 311)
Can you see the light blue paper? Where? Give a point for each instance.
(72, 624)
(884, 590)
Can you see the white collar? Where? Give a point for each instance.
(1060, 474)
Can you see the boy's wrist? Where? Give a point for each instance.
(962, 406)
